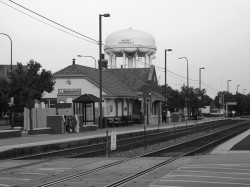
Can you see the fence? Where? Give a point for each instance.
(38, 117)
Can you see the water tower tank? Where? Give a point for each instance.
(133, 46)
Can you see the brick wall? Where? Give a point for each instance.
(56, 123)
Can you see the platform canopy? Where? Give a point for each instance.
(87, 98)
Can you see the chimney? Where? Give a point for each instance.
(74, 61)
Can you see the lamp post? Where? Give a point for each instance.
(187, 70)
(88, 56)
(237, 88)
(200, 77)
(100, 62)
(187, 83)
(10, 49)
(166, 71)
(12, 99)
(148, 101)
(228, 85)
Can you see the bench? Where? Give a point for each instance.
(127, 120)
(112, 122)
(121, 123)
(130, 121)
(116, 122)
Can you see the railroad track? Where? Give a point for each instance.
(134, 142)
(178, 150)
(208, 141)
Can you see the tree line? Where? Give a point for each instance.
(192, 98)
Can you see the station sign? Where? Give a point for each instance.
(69, 91)
(113, 141)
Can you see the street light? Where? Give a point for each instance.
(200, 77)
(237, 88)
(228, 85)
(12, 99)
(166, 71)
(187, 81)
(10, 49)
(187, 71)
(100, 62)
(88, 56)
(148, 101)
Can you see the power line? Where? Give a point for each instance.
(46, 23)
(52, 21)
(162, 69)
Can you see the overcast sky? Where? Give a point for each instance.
(214, 34)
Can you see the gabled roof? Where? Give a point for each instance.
(157, 97)
(134, 78)
(87, 98)
(71, 70)
(110, 83)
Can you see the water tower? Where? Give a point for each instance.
(130, 48)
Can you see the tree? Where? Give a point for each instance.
(207, 100)
(28, 86)
(193, 98)
(4, 95)
(173, 103)
(218, 100)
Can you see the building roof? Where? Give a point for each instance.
(110, 83)
(157, 97)
(125, 82)
(87, 98)
(134, 78)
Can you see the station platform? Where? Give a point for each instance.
(35, 140)
(27, 141)
(228, 165)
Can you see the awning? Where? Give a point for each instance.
(157, 97)
(87, 98)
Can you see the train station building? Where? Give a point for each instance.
(126, 92)
(129, 83)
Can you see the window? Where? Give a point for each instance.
(69, 100)
(52, 103)
(136, 107)
(154, 108)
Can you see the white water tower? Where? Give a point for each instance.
(130, 48)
